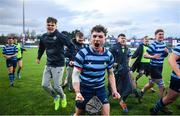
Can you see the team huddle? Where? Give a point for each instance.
(88, 65)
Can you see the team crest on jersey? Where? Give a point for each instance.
(54, 38)
(105, 63)
(89, 62)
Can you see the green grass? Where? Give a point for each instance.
(28, 97)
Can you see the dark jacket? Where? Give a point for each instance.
(54, 45)
(77, 47)
(121, 58)
(137, 54)
(123, 80)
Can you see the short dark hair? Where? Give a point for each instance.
(51, 19)
(158, 30)
(79, 34)
(145, 37)
(11, 36)
(123, 35)
(99, 28)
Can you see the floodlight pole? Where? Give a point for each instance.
(24, 35)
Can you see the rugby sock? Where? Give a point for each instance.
(11, 77)
(13, 74)
(159, 105)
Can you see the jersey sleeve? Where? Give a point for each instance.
(41, 49)
(4, 50)
(151, 49)
(79, 59)
(111, 61)
(176, 50)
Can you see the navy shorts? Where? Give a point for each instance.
(156, 72)
(10, 63)
(89, 93)
(175, 84)
(145, 67)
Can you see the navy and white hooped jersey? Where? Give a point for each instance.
(93, 66)
(157, 48)
(176, 51)
(10, 50)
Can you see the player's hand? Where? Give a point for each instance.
(166, 50)
(157, 56)
(79, 97)
(116, 95)
(37, 61)
(71, 63)
(7, 57)
(178, 74)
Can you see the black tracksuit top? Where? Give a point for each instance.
(54, 44)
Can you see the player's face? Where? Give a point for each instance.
(122, 40)
(146, 41)
(10, 41)
(160, 36)
(97, 40)
(51, 27)
(80, 39)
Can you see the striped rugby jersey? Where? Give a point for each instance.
(93, 66)
(157, 48)
(10, 50)
(176, 51)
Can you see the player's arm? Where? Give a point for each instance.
(40, 51)
(112, 83)
(155, 56)
(6, 56)
(76, 80)
(13, 55)
(4, 53)
(172, 62)
(137, 52)
(150, 52)
(9, 56)
(76, 83)
(166, 52)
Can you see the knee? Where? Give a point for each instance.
(167, 100)
(105, 109)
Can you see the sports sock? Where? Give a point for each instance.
(159, 105)
(11, 77)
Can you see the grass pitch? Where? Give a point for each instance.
(28, 97)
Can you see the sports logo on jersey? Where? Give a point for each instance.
(105, 63)
(105, 100)
(89, 62)
(54, 38)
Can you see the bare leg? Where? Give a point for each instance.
(105, 110)
(147, 86)
(79, 112)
